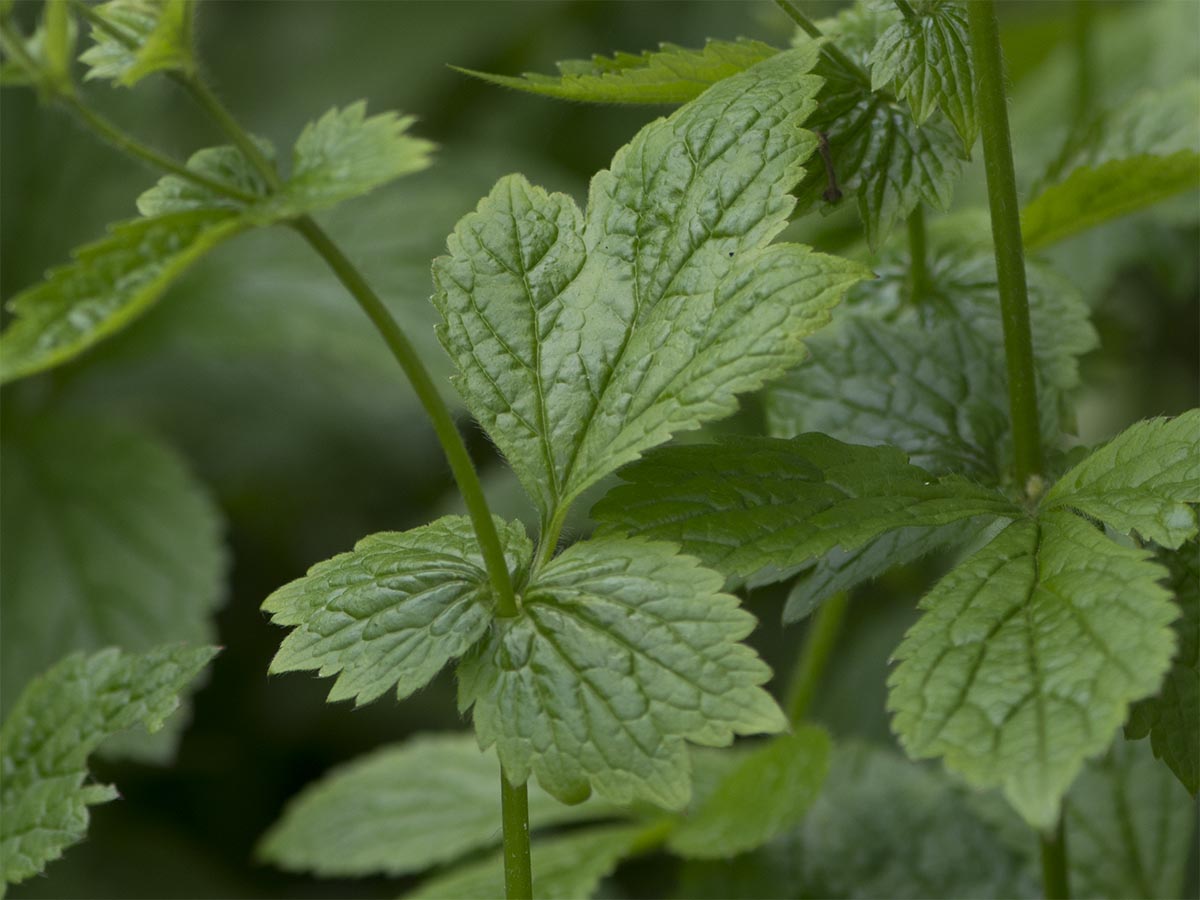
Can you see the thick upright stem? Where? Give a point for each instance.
(514, 808)
(1006, 236)
(918, 264)
(1056, 883)
(818, 647)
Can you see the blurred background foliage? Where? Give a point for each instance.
(264, 376)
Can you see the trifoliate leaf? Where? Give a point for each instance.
(926, 374)
(154, 36)
(227, 165)
(1129, 827)
(670, 74)
(568, 867)
(1142, 480)
(107, 540)
(768, 792)
(110, 283)
(57, 722)
(622, 652)
(758, 508)
(1143, 152)
(403, 809)
(1172, 718)
(394, 610)
(928, 61)
(1028, 656)
(663, 300)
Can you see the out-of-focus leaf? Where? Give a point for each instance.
(155, 36)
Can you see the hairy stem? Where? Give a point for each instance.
(212, 105)
(1006, 236)
(918, 263)
(830, 50)
(514, 807)
(823, 633)
(1055, 877)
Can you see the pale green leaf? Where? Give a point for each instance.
(110, 283)
(568, 867)
(623, 651)
(1027, 658)
(759, 508)
(671, 74)
(403, 809)
(1142, 480)
(1141, 153)
(227, 165)
(394, 611)
(155, 36)
(663, 300)
(928, 60)
(1172, 718)
(107, 540)
(768, 792)
(57, 722)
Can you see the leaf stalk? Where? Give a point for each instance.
(830, 50)
(918, 261)
(1055, 876)
(823, 633)
(514, 806)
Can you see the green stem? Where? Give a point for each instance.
(830, 50)
(1056, 884)
(818, 647)
(918, 263)
(435, 407)
(514, 810)
(1085, 60)
(905, 9)
(1006, 235)
(212, 105)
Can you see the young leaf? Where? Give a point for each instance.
(663, 300)
(403, 809)
(107, 540)
(567, 867)
(670, 74)
(758, 508)
(1028, 656)
(1144, 152)
(1172, 718)
(768, 792)
(109, 284)
(60, 718)
(1142, 480)
(156, 36)
(928, 61)
(173, 194)
(623, 651)
(394, 610)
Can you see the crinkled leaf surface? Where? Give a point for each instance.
(758, 508)
(583, 340)
(567, 867)
(1142, 480)
(1172, 718)
(927, 59)
(767, 792)
(157, 37)
(60, 718)
(110, 283)
(1028, 656)
(107, 540)
(403, 809)
(671, 74)
(1141, 153)
(393, 611)
(622, 652)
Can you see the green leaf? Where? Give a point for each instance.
(394, 611)
(768, 792)
(227, 165)
(759, 508)
(110, 283)
(1142, 480)
(569, 867)
(1172, 718)
(403, 809)
(1143, 152)
(107, 540)
(1129, 827)
(663, 300)
(62, 717)
(43, 59)
(623, 651)
(155, 36)
(671, 74)
(1028, 656)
